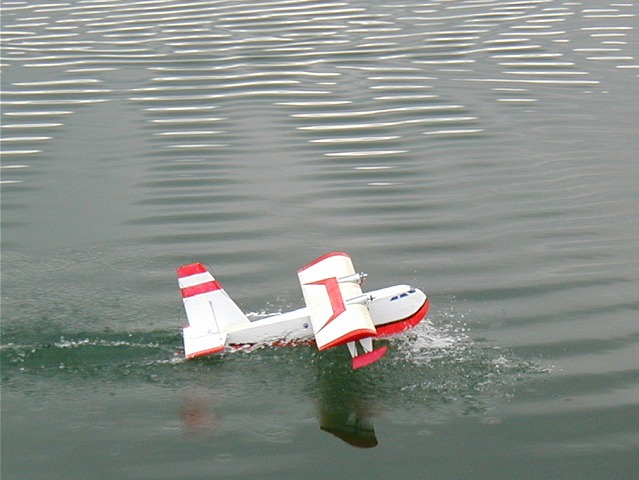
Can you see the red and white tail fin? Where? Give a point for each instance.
(210, 311)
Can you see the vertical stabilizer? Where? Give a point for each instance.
(211, 313)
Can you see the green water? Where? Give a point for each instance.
(484, 151)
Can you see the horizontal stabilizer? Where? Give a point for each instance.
(199, 342)
(211, 313)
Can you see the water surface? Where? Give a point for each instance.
(484, 151)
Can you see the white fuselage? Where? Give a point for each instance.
(387, 306)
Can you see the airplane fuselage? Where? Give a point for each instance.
(393, 310)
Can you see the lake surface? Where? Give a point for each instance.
(484, 151)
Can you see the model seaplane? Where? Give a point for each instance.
(337, 312)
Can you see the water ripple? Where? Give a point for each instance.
(460, 138)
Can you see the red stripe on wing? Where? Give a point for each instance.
(334, 296)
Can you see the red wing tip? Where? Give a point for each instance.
(324, 257)
(203, 353)
(368, 358)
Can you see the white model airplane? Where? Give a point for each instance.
(337, 312)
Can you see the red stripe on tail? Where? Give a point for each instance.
(201, 288)
(188, 270)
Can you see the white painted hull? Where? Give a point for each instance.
(393, 309)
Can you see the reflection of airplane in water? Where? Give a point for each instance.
(337, 312)
(349, 419)
(347, 404)
(344, 415)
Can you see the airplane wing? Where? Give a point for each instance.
(337, 307)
